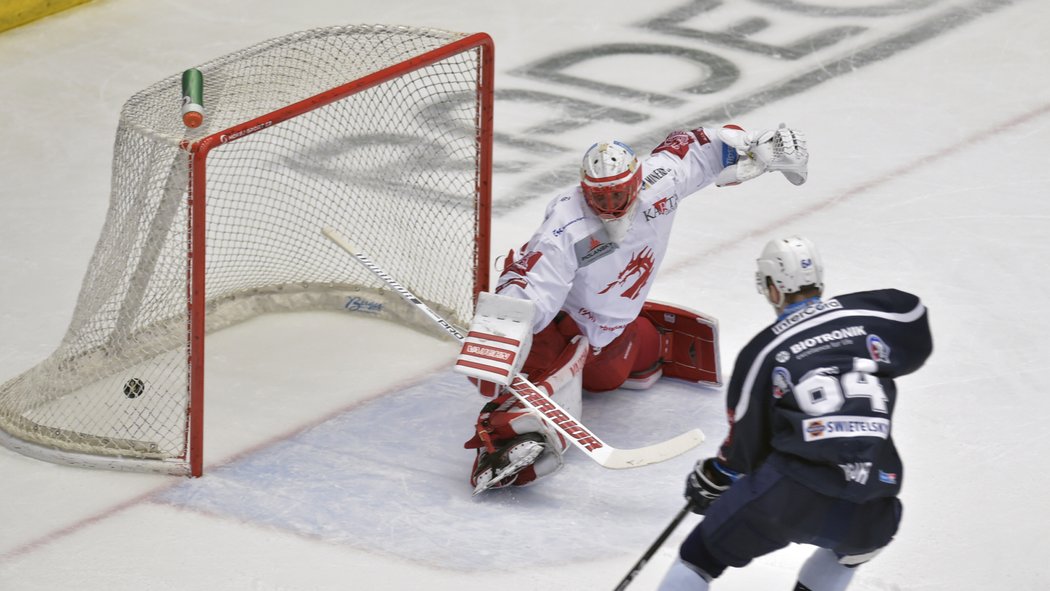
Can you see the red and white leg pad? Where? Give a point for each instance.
(505, 426)
(643, 380)
(689, 343)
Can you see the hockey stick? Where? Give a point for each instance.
(638, 566)
(534, 398)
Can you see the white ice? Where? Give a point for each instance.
(334, 460)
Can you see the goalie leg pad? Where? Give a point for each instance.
(643, 380)
(563, 380)
(508, 435)
(689, 343)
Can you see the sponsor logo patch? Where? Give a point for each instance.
(845, 426)
(585, 313)
(677, 143)
(814, 429)
(356, 304)
(561, 230)
(516, 270)
(856, 471)
(803, 314)
(488, 352)
(654, 176)
(781, 382)
(592, 248)
(878, 349)
(661, 207)
(835, 335)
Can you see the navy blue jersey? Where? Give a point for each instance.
(814, 393)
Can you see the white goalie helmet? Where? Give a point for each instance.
(611, 178)
(791, 264)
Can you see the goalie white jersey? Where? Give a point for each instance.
(601, 272)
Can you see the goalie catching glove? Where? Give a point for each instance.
(746, 156)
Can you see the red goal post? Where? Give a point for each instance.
(382, 131)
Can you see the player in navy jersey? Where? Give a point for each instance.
(809, 457)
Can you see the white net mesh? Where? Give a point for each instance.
(395, 167)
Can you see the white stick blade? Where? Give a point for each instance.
(340, 240)
(620, 459)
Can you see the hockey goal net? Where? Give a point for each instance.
(382, 132)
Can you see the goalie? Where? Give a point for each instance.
(570, 308)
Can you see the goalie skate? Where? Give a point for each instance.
(497, 469)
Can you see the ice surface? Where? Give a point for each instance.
(334, 460)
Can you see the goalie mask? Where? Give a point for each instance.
(791, 264)
(610, 178)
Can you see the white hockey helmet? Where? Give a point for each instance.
(791, 264)
(611, 178)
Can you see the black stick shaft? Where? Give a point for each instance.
(638, 566)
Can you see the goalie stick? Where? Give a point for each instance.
(534, 398)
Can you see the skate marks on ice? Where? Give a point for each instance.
(391, 477)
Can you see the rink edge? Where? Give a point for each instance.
(15, 13)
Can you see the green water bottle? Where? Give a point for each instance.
(192, 97)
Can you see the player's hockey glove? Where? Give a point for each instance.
(746, 155)
(706, 483)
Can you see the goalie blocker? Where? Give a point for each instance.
(498, 342)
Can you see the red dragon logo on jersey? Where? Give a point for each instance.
(677, 142)
(640, 267)
(514, 271)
